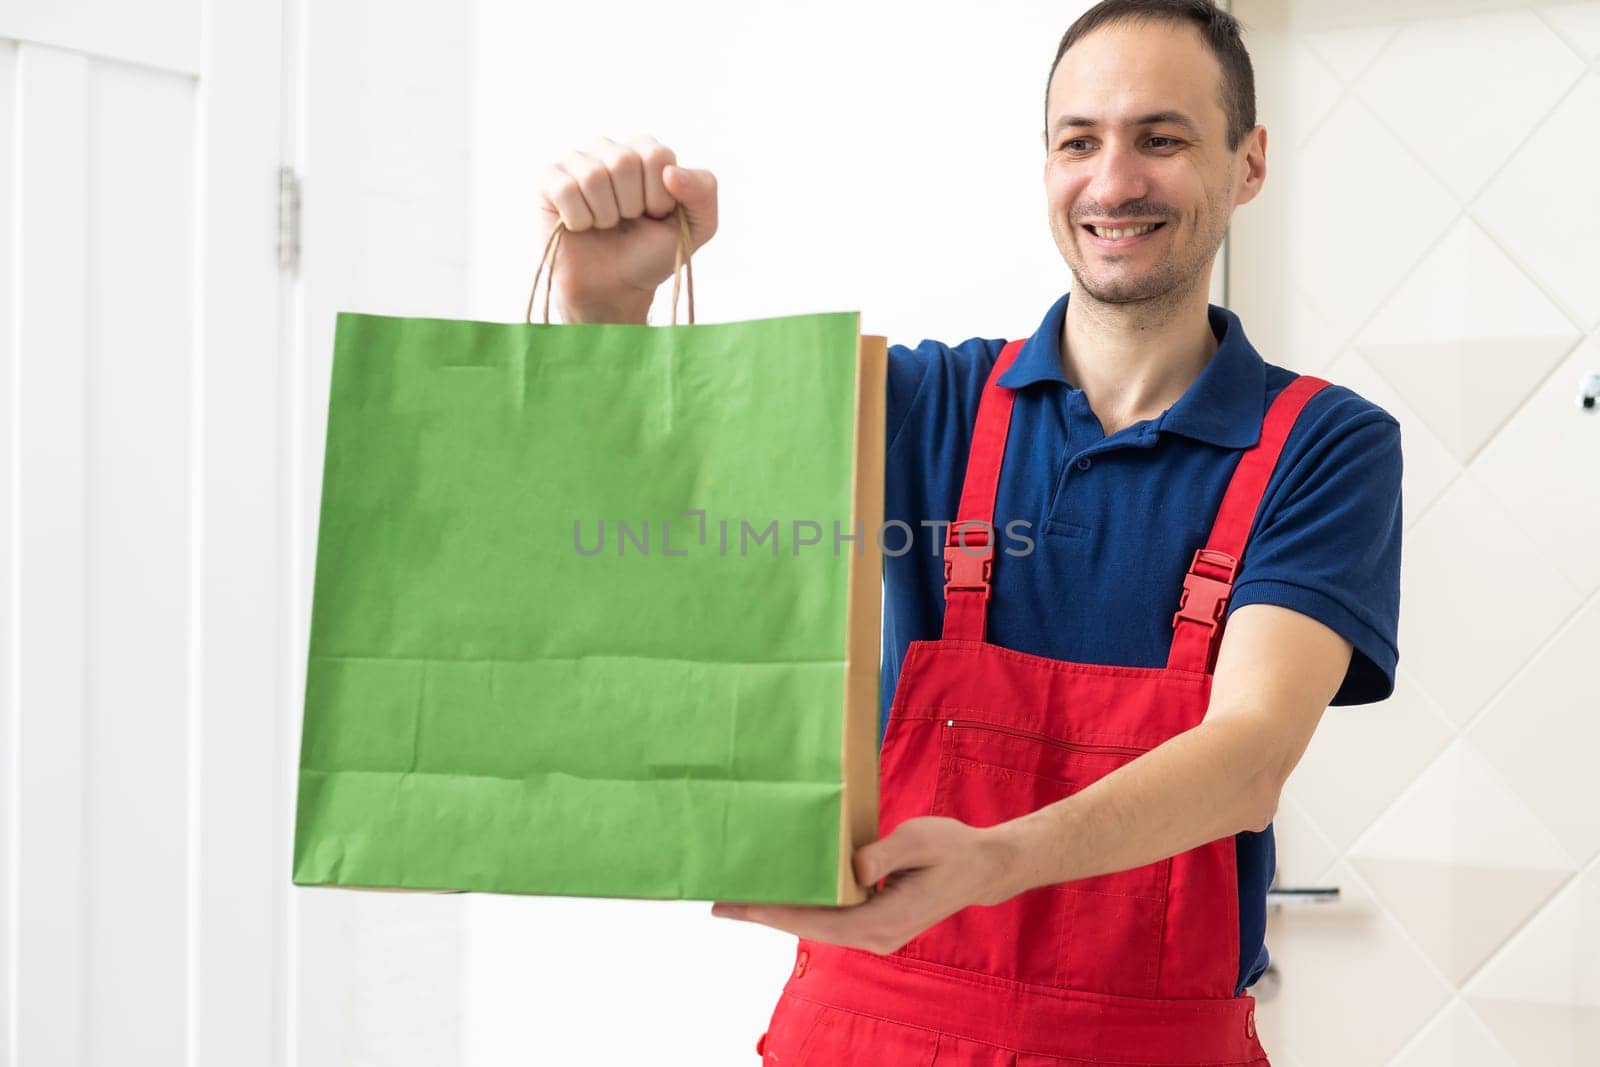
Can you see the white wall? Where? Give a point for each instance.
(882, 158)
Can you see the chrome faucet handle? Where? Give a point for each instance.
(1301, 896)
(1589, 392)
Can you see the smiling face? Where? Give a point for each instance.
(1137, 136)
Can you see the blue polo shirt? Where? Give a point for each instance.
(1115, 520)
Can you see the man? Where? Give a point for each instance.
(1078, 775)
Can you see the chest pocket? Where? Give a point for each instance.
(1099, 934)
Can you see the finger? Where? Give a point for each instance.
(563, 197)
(876, 861)
(654, 158)
(880, 925)
(768, 913)
(815, 924)
(627, 175)
(696, 190)
(594, 181)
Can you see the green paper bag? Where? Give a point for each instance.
(596, 610)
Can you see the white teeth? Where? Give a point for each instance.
(1113, 234)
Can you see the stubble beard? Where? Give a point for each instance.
(1111, 282)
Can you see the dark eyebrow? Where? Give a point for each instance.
(1177, 118)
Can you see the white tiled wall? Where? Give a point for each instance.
(1428, 236)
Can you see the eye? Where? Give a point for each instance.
(1070, 146)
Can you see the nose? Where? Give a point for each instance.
(1119, 177)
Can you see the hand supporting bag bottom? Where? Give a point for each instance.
(596, 610)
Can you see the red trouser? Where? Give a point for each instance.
(1134, 967)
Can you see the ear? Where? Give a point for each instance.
(1254, 164)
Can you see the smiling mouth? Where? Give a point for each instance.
(1119, 237)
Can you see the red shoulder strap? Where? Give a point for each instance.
(1203, 605)
(969, 546)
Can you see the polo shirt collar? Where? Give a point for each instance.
(1223, 406)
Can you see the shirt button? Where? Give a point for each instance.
(1083, 464)
(1250, 1023)
(800, 963)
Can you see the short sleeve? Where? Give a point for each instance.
(907, 373)
(933, 388)
(1327, 539)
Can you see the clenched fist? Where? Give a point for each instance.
(617, 200)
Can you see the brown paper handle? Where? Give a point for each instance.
(681, 269)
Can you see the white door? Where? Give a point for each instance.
(143, 822)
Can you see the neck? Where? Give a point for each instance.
(1134, 360)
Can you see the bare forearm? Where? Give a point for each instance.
(1204, 784)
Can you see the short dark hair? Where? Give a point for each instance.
(1220, 31)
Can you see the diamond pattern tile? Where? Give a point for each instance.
(1459, 913)
(1458, 1038)
(1544, 467)
(1298, 336)
(1428, 86)
(1543, 734)
(1578, 23)
(1355, 988)
(1429, 468)
(1304, 852)
(1392, 742)
(1295, 88)
(1342, 216)
(1555, 959)
(1312, 89)
(1541, 994)
(1429, 241)
(1530, 209)
(1466, 338)
(1545, 1035)
(1460, 862)
(1295, 334)
(1310, 341)
(1347, 50)
(1461, 635)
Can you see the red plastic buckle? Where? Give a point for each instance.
(968, 560)
(1205, 598)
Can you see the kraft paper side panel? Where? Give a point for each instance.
(859, 741)
(489, 707)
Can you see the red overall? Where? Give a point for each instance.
(1135, 967)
